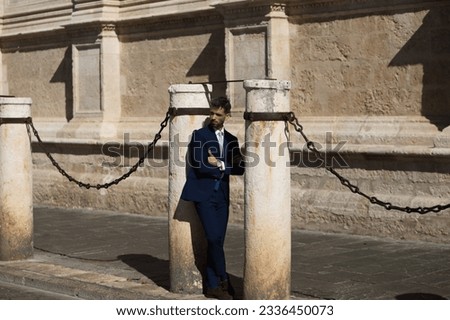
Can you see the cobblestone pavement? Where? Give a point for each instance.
(104, 255)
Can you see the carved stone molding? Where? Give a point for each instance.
(250, 10)
(278, 7)
(320, 7)
(34, 41)
(108, 27)
(93, 4)
(90, 31)
(136, 27)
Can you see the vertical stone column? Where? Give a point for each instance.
(3, 76)
(96, 73)
(278, 50)
(110, 73)
(267, 270)
(187, 247)
(257, 43)
(16, 199)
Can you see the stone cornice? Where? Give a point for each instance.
(333, 7)
(89, 30)
(135, 9)
(170, 22)
(86, 15)
(15, 22)
(259, 10)
(45, 16)
(247, 13)
(34, 40)
(245, 8)
(91, 4)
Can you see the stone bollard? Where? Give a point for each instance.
(267, 269)
(16, 199)
(187, 247)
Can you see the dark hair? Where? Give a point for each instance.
(221, 102)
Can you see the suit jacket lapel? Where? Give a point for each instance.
(225, 144)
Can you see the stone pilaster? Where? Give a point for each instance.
(96, 71)
(256, 43)
(278, 52)
(4, 90)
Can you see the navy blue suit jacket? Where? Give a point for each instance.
(202, 177)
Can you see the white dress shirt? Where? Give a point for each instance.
(219, 135)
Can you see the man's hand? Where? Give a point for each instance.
(213, 160)
(237, 157)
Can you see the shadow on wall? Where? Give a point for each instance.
(430, 47)
(63, 74)
(211, 62)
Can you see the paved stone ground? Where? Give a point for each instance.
(10, 291)
(105, 255)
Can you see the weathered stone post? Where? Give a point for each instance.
(267, 270)
(187, 247)
(16, 199)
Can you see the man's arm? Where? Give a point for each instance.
(201, 158)
(237, 160)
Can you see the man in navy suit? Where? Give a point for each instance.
(213, 156)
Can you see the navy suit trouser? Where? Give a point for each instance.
(213, 214)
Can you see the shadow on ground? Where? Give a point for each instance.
(419, 296)
(153, 268)
(157, 270)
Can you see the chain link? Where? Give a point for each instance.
(113, 182)
(292, 119)
(354, 188)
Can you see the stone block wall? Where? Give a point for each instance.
(151, 62)
(373, 65)
(371, 87)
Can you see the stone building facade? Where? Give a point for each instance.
(370, 84)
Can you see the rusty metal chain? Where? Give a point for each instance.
(113, 182)
(292, 119)
(354, 188)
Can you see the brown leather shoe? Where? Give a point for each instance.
(218, 293)
(227, 287)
